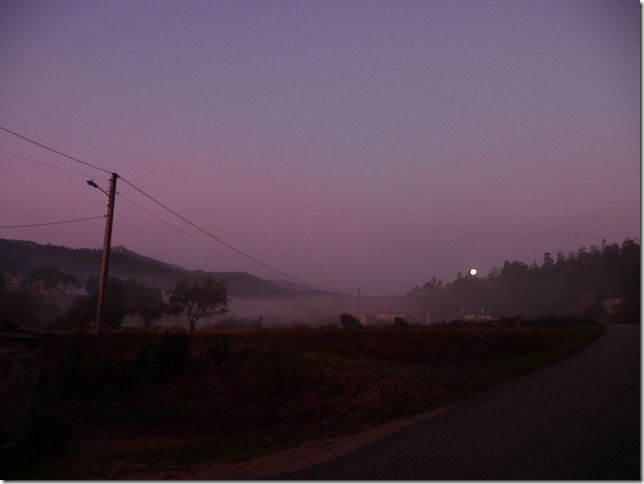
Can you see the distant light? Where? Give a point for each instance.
(473, 272)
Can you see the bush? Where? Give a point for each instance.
(79, 315)
(276, 373)
(401, 323)
(147, 309)
(349, 321)
(218, 353)
(21, 308)
(166, 358)
(74, 361)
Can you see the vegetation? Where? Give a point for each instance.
(21, 309)
(575, 285)
(79, 315)
(20, 257)
(143, 402)
(148, 310)
(48, 278)
(133, 290)
(238, 393)
(349, 321)
(52, 287)
(401, 323)
(197, 299)
(82, 312)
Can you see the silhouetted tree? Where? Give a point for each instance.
(80, 314)
(147, 309)
(573, 285)
(83, 310)
(115, 304)
(349, 321)
(48, 278)
(401, 323)
(628, 310)
(134, 290)
(197, 299)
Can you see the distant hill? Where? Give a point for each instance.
(602, 282)
(18, 258)
(290, 285)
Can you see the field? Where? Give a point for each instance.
(121, 404)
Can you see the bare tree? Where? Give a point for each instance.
(197, 299)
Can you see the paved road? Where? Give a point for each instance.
(576, 419)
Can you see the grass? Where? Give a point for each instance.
(142, 402)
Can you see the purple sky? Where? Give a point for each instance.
(372, 144)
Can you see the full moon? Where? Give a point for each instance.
(473, 272)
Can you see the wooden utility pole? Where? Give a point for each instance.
(105, 258)
(358, 305)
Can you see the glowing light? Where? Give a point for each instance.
(473, 272)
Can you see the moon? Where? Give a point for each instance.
(473, 272)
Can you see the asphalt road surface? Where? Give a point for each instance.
(576, 419)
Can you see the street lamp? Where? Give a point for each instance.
(93, 184)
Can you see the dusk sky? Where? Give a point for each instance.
(348, 143)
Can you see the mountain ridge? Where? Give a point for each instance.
(19, 257)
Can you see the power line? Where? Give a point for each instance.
(77, 160)
(214, 237)
(226, 244)
(181, 217)
(185, 234)
(52, 223)
(48, 165)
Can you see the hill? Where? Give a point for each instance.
(602, 282)
(18, 258)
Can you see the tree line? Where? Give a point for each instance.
(600, 281)
(36, 302)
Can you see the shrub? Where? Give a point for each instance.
(74, 360)
(401, 323)
(80, 314)
(276, 373)
(165, 358)
(218, 352)
(349, 321)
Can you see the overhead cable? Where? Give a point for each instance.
(173, 212)
(222, 242)
(73, 158)
(60, 222)
(185, 234)
(48, 165)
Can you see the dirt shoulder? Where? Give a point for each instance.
(288, 460)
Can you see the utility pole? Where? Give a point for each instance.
(358, 305)
(105, 258)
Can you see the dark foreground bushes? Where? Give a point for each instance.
(144, 401)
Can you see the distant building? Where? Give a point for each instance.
(475, 317)
(415, 318)
(388, 317)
